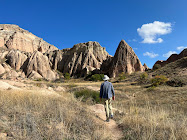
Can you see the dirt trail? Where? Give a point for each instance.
(111, 127)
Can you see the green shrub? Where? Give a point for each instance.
(86, 94)
(156, 66)
(143, 78)
(122, 76)
(159, 80)
(67, 76)
(97, 77)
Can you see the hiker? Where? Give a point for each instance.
(107, 93)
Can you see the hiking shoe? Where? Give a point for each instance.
(107, 120)
(111, 117)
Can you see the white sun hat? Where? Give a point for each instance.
(105, 78)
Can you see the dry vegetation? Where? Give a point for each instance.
(143, 113)
(160, 113)
(27, 115)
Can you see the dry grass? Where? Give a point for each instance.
(157, 114)
(160, 113)
(27, 115)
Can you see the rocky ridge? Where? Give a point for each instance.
(172, 58)
(14, 37)
(25, 55)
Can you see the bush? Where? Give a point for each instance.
(176, 82)
(159, 80)
(86, 94)
(156, 66)
(122, 76)
(97, 77)
(67, 76)
(143, 78)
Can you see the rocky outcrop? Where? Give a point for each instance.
(40, 63)
(124, 60)
(16, 59)
(14, 37)
(145, 67)
(2, 69)
(172, 58)
(34, 75)
(79, 60)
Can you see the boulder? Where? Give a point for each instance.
(40, 63)
(34, 75)
(124, 60)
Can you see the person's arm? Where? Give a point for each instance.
(101, 92)
(113, 93)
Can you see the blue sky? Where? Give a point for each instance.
(153, 28)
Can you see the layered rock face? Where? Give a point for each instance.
(14, 37)
(79, 60)
(16, 59)
(172, 58)
(40, 63)
(124, 60)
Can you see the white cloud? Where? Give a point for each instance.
(180, 48)
(150, 54)
(150, 31)
(134, 40)
(169, 53)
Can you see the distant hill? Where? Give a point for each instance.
(174, 70)
(172, 58)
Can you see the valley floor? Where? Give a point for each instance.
(46, 110)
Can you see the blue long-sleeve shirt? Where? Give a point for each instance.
(106, 90)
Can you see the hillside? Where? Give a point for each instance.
(173, 70)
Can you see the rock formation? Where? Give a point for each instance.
(40, 63)
(16, 59)
(27, 53)
(14, 37)
(2, 69)
(145, 67)
(172, 58)
(124, 60)
(79, 60)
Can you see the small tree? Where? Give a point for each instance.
(159, 80)
(143, 78)
(97, 77)
(67, 76)
(122, 76)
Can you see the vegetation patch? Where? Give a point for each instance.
(87, 94)
(122, 76)
(26, 115)
(67, 76)
(159, 80)
(97, 77)
(176, 82)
